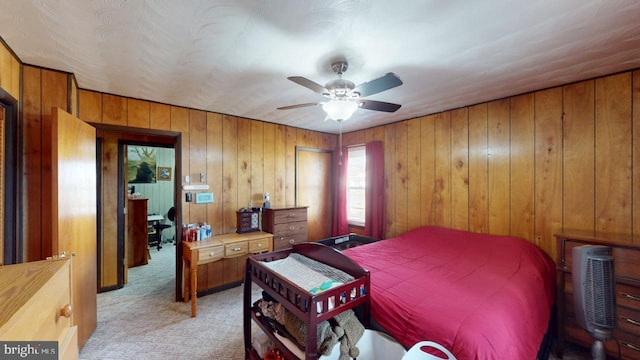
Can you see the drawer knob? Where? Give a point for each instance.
(292, 215)
(291, 241)
(66, 311)
(212, 254)
(237, 249)
(292, 227)
(259, 245)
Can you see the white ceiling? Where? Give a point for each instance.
(234, 56)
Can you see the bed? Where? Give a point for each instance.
(481, 296)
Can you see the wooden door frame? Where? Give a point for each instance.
(157, 138)
(13, 247)
(297, 175)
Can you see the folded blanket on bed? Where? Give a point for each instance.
(344, 328)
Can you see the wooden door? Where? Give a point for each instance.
(74, 210)
(313, 189)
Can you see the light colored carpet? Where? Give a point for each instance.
(142, 320)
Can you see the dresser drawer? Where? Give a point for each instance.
(290, 229)
(289, 215)
(259, 245)
(629, 320)
(41, 316)
(629, 345)
(286, 242)
(209, 254)
(236, 249)
(628, 296)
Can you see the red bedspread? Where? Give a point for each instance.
(479, 295)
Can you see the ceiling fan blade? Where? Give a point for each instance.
(298, 106)
(379, 105)
(313, 86)
(380, 84)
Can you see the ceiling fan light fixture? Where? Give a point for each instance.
(337, 109)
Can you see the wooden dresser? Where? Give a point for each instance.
(627, 271)
(219, 262)
(36, 304)
(137, 232)
(287, 224)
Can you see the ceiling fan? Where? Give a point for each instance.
(344, 96)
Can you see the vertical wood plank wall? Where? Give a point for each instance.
(528, 165)
(10, 83)
(242, 159)
(565, 158)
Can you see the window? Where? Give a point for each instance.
(356, 182)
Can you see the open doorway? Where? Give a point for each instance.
(114, 194)
(148, 171)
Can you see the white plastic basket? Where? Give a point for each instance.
(373, 345)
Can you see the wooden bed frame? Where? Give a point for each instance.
(311, 309)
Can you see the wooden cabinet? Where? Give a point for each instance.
(137, 231)
(222, 258)
(287, 224)
(627, 271)
(37, 305)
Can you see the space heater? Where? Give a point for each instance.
(594, 296)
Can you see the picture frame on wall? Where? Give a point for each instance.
(164, 173)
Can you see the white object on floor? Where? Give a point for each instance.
(373, 345)
(416, 353)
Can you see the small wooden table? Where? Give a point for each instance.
(217, 248)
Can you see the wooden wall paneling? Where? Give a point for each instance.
(114, 110)
(90, 106)
(442, 189)
(159, 116)
(390, 179)
(613, 154)
(291, 142)
(257, 163)
(280, 166)
(73, 96)
(229, 172)
(578, 157)
(3, 161)
(413, 173)
(180, 123)
(54, 93)
(5, 68)
(427, 143)
(548, 168)
(636, 156)
(460, 169)
(109, 211)
(244, 163)
(16, 72)
(522, 153)
(354, 138)
(32, 163)
(214, 171)
(499, 166)
(478, 169)
(269, 160)
(402, 177)
(197, 160)
(138, 113)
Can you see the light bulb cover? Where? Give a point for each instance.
(338, 109)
